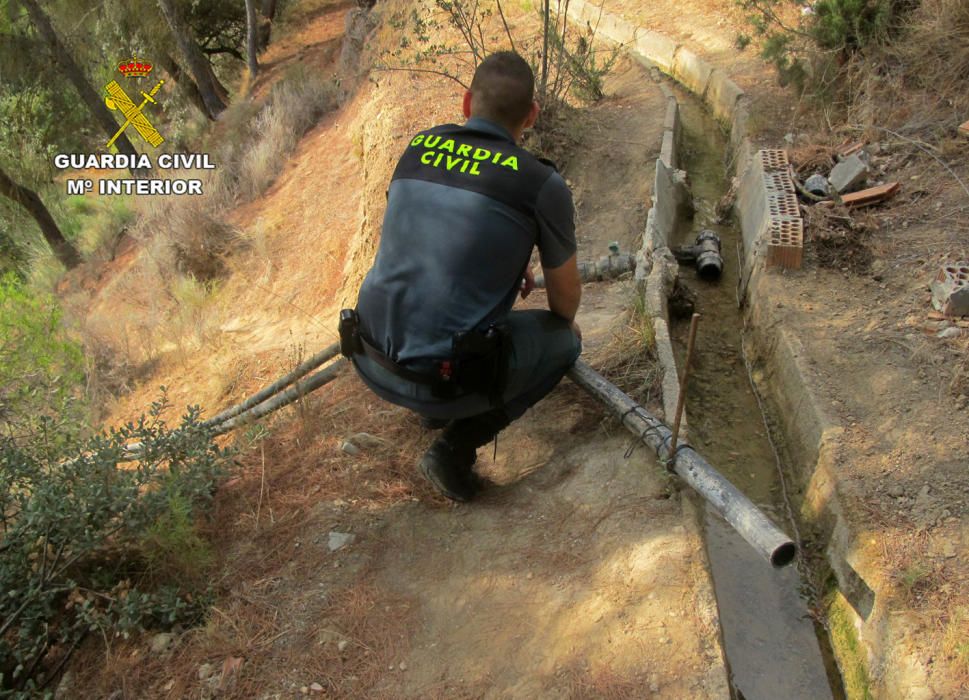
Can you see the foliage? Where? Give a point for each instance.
(40, 369)
(88, 545)
(826, 30)
(563, 59)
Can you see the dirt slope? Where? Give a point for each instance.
(581, 575)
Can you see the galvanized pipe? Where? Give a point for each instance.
(738, 510)
(327, 374)
(297, 391)
(301, 369)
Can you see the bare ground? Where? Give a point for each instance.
(581, 574)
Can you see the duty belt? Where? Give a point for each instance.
(478, 365)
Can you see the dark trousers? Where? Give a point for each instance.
(543, 348)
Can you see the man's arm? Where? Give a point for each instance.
(564, 288)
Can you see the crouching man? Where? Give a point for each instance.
(433, 329)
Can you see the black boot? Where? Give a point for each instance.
(449, 461)
(448, 468)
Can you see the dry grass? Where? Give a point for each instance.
(919, 82)
(583, 683)
(629, 359)
(840, 239)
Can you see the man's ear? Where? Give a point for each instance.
(532, 116)
(466, 104)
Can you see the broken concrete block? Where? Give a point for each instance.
(950, 290)
(849, 173)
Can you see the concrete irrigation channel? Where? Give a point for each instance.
(773, 646)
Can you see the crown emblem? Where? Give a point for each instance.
(135, 68)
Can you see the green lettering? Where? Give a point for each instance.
(432, 140)
(481, 154)
(426, 157)
(511, 162)
(417, 140)
(452, 161)
(474, 169)
(464, 150)
(497, 157)
(437, 161)
(447, 146)
(464, 166)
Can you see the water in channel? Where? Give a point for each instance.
(773, 647)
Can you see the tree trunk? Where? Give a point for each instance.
(543, 82)
(184, 82)
(198, 65)
(94, 101)
(251, 41)
(29, 200)
(268, 12)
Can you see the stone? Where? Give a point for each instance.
(161, 642)
(950, 289)
(951, 332)
(316, 687)
(849, 174)
(342, 645)
(365, 440)
(206, 671)
(339, 540)
(349, 448)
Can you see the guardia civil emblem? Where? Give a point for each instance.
(117, 99)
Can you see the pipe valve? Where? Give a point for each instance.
(704, 253)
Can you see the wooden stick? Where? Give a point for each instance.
(681, 400)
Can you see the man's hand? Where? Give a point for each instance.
(528, 283)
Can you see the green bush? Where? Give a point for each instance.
(828, 31)
(40, 370)
(91, 541)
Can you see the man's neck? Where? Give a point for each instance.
(514, 134)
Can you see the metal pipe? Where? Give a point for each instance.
(297, 391)
(606, 267)
(681, 399)
(301, 369)
(738, 510)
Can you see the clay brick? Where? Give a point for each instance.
(950, 290)
(773, 159)
(785, 246)
(782, 205)
(873, 195)
(777, 182)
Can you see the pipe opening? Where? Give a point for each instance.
(783, 555)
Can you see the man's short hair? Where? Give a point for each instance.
(503, 89)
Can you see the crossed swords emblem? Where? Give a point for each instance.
(134, 116)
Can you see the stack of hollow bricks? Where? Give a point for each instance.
(783, 228)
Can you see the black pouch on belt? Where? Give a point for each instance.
(350, 344)
(481, 358)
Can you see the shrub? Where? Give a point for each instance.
(88, 545)
(563, 58)
(40, 369)
(824, 30)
